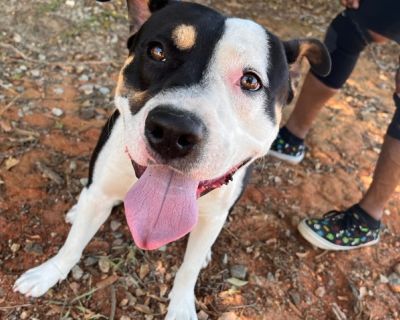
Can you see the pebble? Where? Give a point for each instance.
(383, 279)
(320, 292)
(202, 315)
(84, 181)
(58, 90)
(73, 165)
(17, 38)
(24, 315)
(77, 273)
(15, 247)
(104, 265)
(87, 88)
(394, 282)
(34, 248)
(124, 318)
(87, 113)
(84, 77)
(239, 272)
(70, 3)
(225, 259)
(397, 268)
(104, 90)
(57, 112)
(89, 261)
(115, 225)
(35, 73)
(295, 297)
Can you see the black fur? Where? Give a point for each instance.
(182, 68)
(105, 134)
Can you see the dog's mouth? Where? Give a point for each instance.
(161, 206)
(204, 186)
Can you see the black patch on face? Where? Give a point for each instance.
(181, 68)
(105, 134)
(279, 90)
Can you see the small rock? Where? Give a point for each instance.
(104, 90)
(74, 287)
(42, 57)
(58, 90)
(162, 249)
(397, 268)
(57, 112)
(15, 247)
(228, 316)
(394, 282)
(89, 261)
(320, 292)
(87, 88)
(77, 273)
(295, 297)
(24, 315)
(124, 318)
(35, 73)
(123, 302)
(84, 181)
(277, 180)
(270, 277)
(202, 315)
(114, 225)
(225, 259)
(239, 272)
(117, 242)
(383, 279)
(70, 3)
(87, 113)
(84, 77)
(73, 165)
(34, 248)
(17, 38)
(104, 264)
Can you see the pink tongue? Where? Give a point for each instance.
(161, 207)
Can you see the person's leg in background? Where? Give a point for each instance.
(360, 225)
(345, 41)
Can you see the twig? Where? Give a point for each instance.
(113, 303)
(8, 106)
(295, 309)
(16, 306)
(49, 173)
(17, 51)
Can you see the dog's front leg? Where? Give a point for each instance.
(182, 298)
(93, 208)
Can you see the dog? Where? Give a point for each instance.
(198, 100)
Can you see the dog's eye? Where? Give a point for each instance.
(250, 82)
(156, 52)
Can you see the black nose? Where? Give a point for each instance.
(173, 133)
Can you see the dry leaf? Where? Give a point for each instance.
(11, 162)
(143, 309)
(237, 282)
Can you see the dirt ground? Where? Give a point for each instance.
(58, 65)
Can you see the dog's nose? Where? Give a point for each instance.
(173, 133)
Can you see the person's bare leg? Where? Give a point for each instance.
(313, 96)
(385, 180)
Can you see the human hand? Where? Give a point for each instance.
(352, 4)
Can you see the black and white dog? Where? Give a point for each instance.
(198, 99)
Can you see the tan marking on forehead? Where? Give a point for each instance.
(184, 36)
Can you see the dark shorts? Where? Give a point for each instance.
(380, 16)
(394, 127)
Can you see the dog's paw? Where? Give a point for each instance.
(207, 259)
(181, 307)
(36, 281)
(71, 215)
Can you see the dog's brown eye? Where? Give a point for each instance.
(250, 82)
(156, 52)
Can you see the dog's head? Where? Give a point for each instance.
(201, 94)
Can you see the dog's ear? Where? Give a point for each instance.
(140, 10)
(315, 52)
